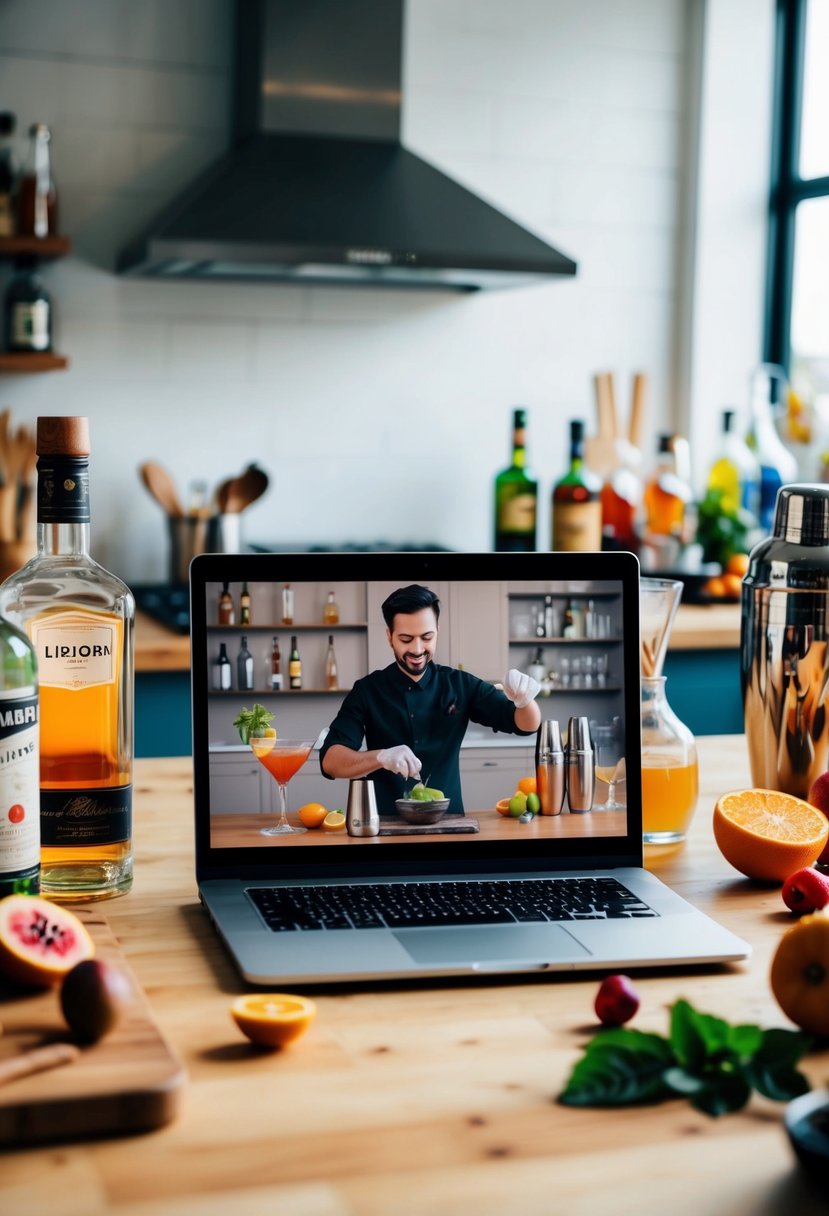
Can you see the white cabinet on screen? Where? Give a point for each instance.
(236, 784)
(490, 773)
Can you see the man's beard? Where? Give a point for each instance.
(403, 664)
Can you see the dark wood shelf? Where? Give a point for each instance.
(35, 246)
(23, 363)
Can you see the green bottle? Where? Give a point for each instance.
(516, 497)
(19, 765)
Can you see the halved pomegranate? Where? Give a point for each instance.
(40, 941)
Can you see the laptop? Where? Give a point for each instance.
(478, 892)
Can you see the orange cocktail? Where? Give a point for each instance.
(669, 795)
(282, 758)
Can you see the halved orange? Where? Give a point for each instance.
(273, 1019)
(334, 821)
(312, 814)
(502, 806)
(767, 834)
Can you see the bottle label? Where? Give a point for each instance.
(19, 781)
(85, 817)
(63, 490)
(517, 514)
(75, 650)
(577, 526)
(30, 325)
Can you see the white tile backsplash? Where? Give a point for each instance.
(377, 413)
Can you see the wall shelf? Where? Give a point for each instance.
(23, 363)
(293, 628)
(41, 247)
(280, 692)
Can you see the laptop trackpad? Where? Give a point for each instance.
(490, 944)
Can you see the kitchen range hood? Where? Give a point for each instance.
(317, 186)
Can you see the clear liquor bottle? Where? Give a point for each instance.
(19, 773)
(79, 618)
(331, 677)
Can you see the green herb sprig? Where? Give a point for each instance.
(252, 722)
(715, 1065)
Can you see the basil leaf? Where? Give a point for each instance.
(780, 1082)
(682, 1082)
(609, 1075)
(686, 1037)
(722, 1093)
(745, 1040)
(782, 1046)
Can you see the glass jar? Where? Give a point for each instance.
(670, 774)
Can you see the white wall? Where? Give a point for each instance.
(569, 114)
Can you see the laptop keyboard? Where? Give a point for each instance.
(408, 905)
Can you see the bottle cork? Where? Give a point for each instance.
(66, 436)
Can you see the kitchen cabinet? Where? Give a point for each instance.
(43, 249)
(237, 784)
(490, 773)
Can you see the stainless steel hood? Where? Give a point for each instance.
(317, 186)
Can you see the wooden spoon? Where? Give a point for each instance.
(162, 488)
(236, 493)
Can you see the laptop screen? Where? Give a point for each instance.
(405, 682)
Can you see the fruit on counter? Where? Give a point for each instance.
(533, 803)
(312, 814)
(502, 806)
(819, 797)
(768, 835)
(334, 821)
(800, 974)
(723, 531)
(806, 890)
(723, 586)
(424, 793)
(254, 723)
(273, 1019)
(527, 785)
(738, 564)
(517, 804)
(40, 941)
(616, 1001)
(94, 997)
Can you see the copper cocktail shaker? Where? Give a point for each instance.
(549, 767)
(783, 645)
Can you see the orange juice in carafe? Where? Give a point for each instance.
(669, 795)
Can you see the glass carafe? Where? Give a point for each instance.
(670, 775)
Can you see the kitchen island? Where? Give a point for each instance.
(436, 1097)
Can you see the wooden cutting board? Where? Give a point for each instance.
(130, 1081)
(443, 827)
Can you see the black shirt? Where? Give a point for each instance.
(430, 715)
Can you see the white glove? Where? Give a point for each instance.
(400, 759)
(520, 688)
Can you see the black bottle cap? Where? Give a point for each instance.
(801, 514)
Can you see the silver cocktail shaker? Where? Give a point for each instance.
(581, 766)
(783, 644)
(361, 817)
(549, 767)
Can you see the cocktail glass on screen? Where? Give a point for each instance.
(610, 765)
(282, 758)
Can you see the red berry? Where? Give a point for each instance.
(16, 813)
(616, 1000)
(806, 890)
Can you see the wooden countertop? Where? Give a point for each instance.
(696, 627)
(433, 1098)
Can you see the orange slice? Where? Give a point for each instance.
(312, 814)
(334, 821)
(272, 1019)
(768, 835)
(502, 806)
(262, 744)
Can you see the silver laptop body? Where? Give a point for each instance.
(492, 618)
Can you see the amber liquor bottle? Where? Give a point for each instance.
(79, 618)
(577, 507)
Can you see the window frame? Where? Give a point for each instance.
(787, 188)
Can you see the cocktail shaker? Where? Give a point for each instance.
(549, 767)
(361, 817)
(581, 766)
(783, 644)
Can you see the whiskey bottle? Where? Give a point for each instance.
(294, 666)
(331, 613)
(276, 666)
(516, 496)
(577, 507)
(19, 772)
(79, 618)
(244, 606)
(244, 667)
(227, 613)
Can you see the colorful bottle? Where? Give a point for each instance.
(244, 606)
(20, 769)
(331, 613)
(244, 667)
(777, 464)
(667, 493)
(331, 684)
(577, 508)
(227, 613)
(516, 496)
(79, 618)
(276, 666)
(735, 473)
(294, 667)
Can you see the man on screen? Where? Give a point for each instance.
(414, 713)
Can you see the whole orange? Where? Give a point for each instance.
(527, 785)
(737, 564)
(768, 835)
(312, 814)
(800, 974)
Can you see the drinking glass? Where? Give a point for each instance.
(610, 765)
(282, 758)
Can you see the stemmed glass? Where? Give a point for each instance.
(610, 766)
(282, 758)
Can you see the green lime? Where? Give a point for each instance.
(533, 803)
(517, 805)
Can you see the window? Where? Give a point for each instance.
(797, 311)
